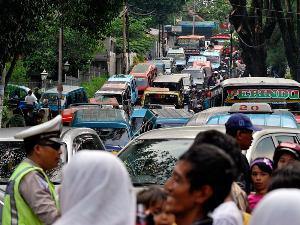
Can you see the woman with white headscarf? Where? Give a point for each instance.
(96, 189)
(279, 207)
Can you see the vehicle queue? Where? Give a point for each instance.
(126, 112)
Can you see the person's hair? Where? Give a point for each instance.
(29, 143)
(225, 142)
(30, 92)
(210, 166)
(232, 132)
(151, 196)
(286, 177)
(264, 164)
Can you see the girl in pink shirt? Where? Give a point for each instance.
(261, 171)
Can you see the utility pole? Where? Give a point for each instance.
(60, 59)
(127, 35)
(194, 11)
(124, 67)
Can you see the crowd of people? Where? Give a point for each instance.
(211, 183)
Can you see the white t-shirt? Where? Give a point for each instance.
(227, 214)
(30, 99)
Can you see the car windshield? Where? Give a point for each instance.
(140, 68)
(151, 161)
(161, 99)
(52, 98)
(259, 119)
(141, 81)
(195, 73)
(113, 136)
(105, 97)
(137, 123)
(213, 59)
(12, 153)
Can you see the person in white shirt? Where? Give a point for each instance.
(30, 99)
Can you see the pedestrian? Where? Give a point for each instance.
(279, 207)
(230, 211)
(30, 99)
(286, 177)
(240, 127)
(96, 189)
(30, 197)
(286, 153)
(37, 93)
(153, 200)
(261, 172)
(200, 181)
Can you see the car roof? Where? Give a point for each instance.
(190, 132)
(7, 134)
(172, 113)
(66, 89)
(101, 115)
(168, 78)
(187, 132)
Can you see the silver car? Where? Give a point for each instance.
(150, 157)
(75, 139)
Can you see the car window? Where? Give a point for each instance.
(273, 120)
(264, 148)
(288, 122)
(286, 138)
(11, 154)
(86, 141)
(152, 161)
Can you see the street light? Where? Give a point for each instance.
(44, 76)
(66, 69)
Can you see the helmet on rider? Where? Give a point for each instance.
(285, 153)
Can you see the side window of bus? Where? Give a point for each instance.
(69, 100)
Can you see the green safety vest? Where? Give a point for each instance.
(16, 211)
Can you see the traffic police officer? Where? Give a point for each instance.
(30, 197)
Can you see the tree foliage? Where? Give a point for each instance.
(139, 41)
(159, 10)
(217, 10)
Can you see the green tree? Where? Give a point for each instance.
(216, 10)
(139, 41)
(21, 18)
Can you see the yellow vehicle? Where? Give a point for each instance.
(161, 98)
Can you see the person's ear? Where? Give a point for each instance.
(203, 194)
(238, 135)
(37, 149)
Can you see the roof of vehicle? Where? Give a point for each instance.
(211, 53)
(114, 86)
(121, 77)
(187, 132)
(259, 81)
(172, 113)
(100, 115)
(7, 134)
(66, 89)
(175, 51)
(168, 78)
(191, 37)
(19, 86)
(190, 132)
(139, 112)
(201, 117)
(191, 68)
(156, 90)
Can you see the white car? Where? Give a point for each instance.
(150, 157)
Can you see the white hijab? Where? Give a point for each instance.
(279, 207)
(96, 189)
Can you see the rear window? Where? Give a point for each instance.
(11, 155)
(259, 119)
(152, 161)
